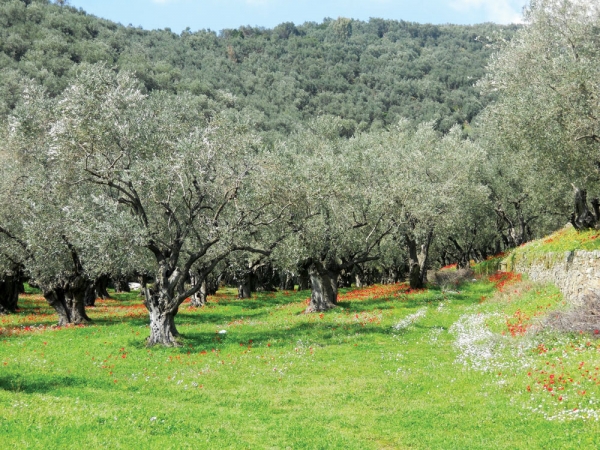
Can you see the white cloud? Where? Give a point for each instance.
(498, 11)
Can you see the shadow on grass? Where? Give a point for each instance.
(264, 300)
(32, 385)
(216, 312)
(316, 334)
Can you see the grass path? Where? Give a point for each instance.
(389, 368)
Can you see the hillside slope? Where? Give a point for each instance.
(369, 73)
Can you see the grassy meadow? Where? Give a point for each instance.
(469, 366)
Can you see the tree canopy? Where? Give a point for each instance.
(371, 74)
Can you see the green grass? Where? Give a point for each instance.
(490, 266)
(283, 379)
(31, 290)
(563, 240)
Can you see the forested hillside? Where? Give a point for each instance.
(370, 74)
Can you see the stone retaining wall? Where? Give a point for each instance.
(575, 273)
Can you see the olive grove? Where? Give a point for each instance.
(339, 216)
(108, 179)
(436, 187)
(156, 173)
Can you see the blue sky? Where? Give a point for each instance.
(219, 14)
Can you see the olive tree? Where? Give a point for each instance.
(432, 185)
(13, 250)
(167, 175)
(338, 214)
(34, 232)
(42, 207)
(545, 126)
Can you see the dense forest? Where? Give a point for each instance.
(313, 155)
(371, 74)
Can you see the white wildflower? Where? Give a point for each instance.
(476, 344)
(410, 319)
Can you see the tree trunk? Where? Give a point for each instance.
(417, 263)
(357, 281)
(303, 280)
(244, 290)
(359, 276)
(245, 286)
(76, 305)
(122, 285)
(323, 289)
(286, 281)
(334, 277)
(90, 296)
(582, 218)
(212, 285)
(9, 293)
(596, 207)
(199, 298)
(143, 280)
(423, 257)
(69, 302)
(517, 228)
(75, 299)
(56, 298)
(263, 277)
(414, 269)
(344, 279)
(162, 319)
(497, 247)
(100, 286)
(480, 255)
(162, 329)
(394, 275)
(464, 255)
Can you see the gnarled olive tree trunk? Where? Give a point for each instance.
(286, 281)
(121, 285)
(393, 274)
(582, 218)
(90, 296)
(162, 301)
(259, 276)
(359, 276)
(69, 301)
(463, 259)
(324, 288)
(100, 287)
(56, 298)
(516, 226)
(167, 293)
(246, 285)
(199, 298)
(417, 262)
(162, 311)
(75, 297)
